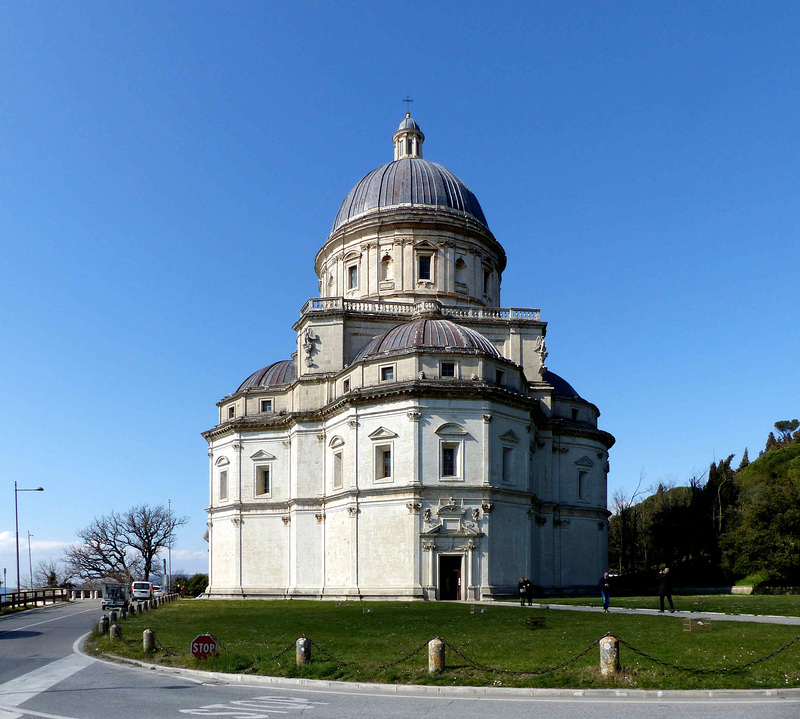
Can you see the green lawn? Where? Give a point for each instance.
(368, 635)
(781, 606)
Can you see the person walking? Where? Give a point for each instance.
(665, 589)
(605, 590)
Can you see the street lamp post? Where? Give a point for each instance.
(30, 562)
(17, 490)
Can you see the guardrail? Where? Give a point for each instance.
(28, 597)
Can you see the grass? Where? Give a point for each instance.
(776, 605)
(366, 636)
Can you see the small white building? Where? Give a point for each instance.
(415, 446)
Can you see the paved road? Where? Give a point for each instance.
(43, 674)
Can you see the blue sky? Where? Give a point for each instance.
(169, 170)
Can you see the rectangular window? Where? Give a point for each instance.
(266, 405)
(499, 377)
(337, 470)
(352, 277)
(232, 411)
(487, 281)
(223, 484)
(448, 369)
(263, 480)
(383, 462)
(508, 465)
(387, 374)
(345, 386)
(424, 267)
(449, 460)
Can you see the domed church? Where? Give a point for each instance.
(415, 445)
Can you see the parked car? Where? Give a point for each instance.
(141, 590)
(157, 591)
(114, 596)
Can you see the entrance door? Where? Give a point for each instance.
(449, 577)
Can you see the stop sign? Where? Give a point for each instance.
(204, 646)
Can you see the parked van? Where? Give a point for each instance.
(141, 590)
(114, 596)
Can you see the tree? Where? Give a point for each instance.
(52, 574)
(786, 428)
(745, 460)
(625, 528)
(148, 530)
(103, 552)
(123, 547)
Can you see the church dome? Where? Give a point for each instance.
(409, 181)
(278, 373)
(561, 387)
(429, 334)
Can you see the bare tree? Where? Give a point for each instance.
(51, 573)
(625, 526)
(104, 552)
(148, 530)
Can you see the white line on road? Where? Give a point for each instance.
(46, 621)
(20, 689)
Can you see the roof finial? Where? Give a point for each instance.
(407, 100)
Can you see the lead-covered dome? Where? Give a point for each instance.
(409, 181)
(431, 335)
(278, 373)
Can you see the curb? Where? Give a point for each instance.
(422, 690)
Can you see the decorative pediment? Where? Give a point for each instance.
(222, 462)
(424, 245)
(336, 441)
(261, 455)
(509, 437)
(451, 429)
(585, 462)
(451, 509)
(352, 255)
(382, 433)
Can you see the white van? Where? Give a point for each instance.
(141, 590)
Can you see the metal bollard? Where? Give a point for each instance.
(436, 662)
(609, 657)
(148, 640)
(303, 651)
(102, 625)
(114, 631)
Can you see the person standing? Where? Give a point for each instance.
(529, 591)
(665, 589)
(521, 585)
(605, 590)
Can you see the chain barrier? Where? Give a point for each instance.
(282, 652)
(167, 650)
(527, 672)
(695, 670)
(332, 658)
(405, 658)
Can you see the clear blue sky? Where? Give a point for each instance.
(169, 170)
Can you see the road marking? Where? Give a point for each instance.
(46, 621)
(255, 708)
(23, 688)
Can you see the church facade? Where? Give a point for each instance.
(415, 445)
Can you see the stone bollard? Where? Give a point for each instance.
(436, 655)
(102, 625)
(114, 631)
(132, 609)
(123, 613)
(113, 617)
(148, 640)
(303, 651)
(609, 657)
(142, 607)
